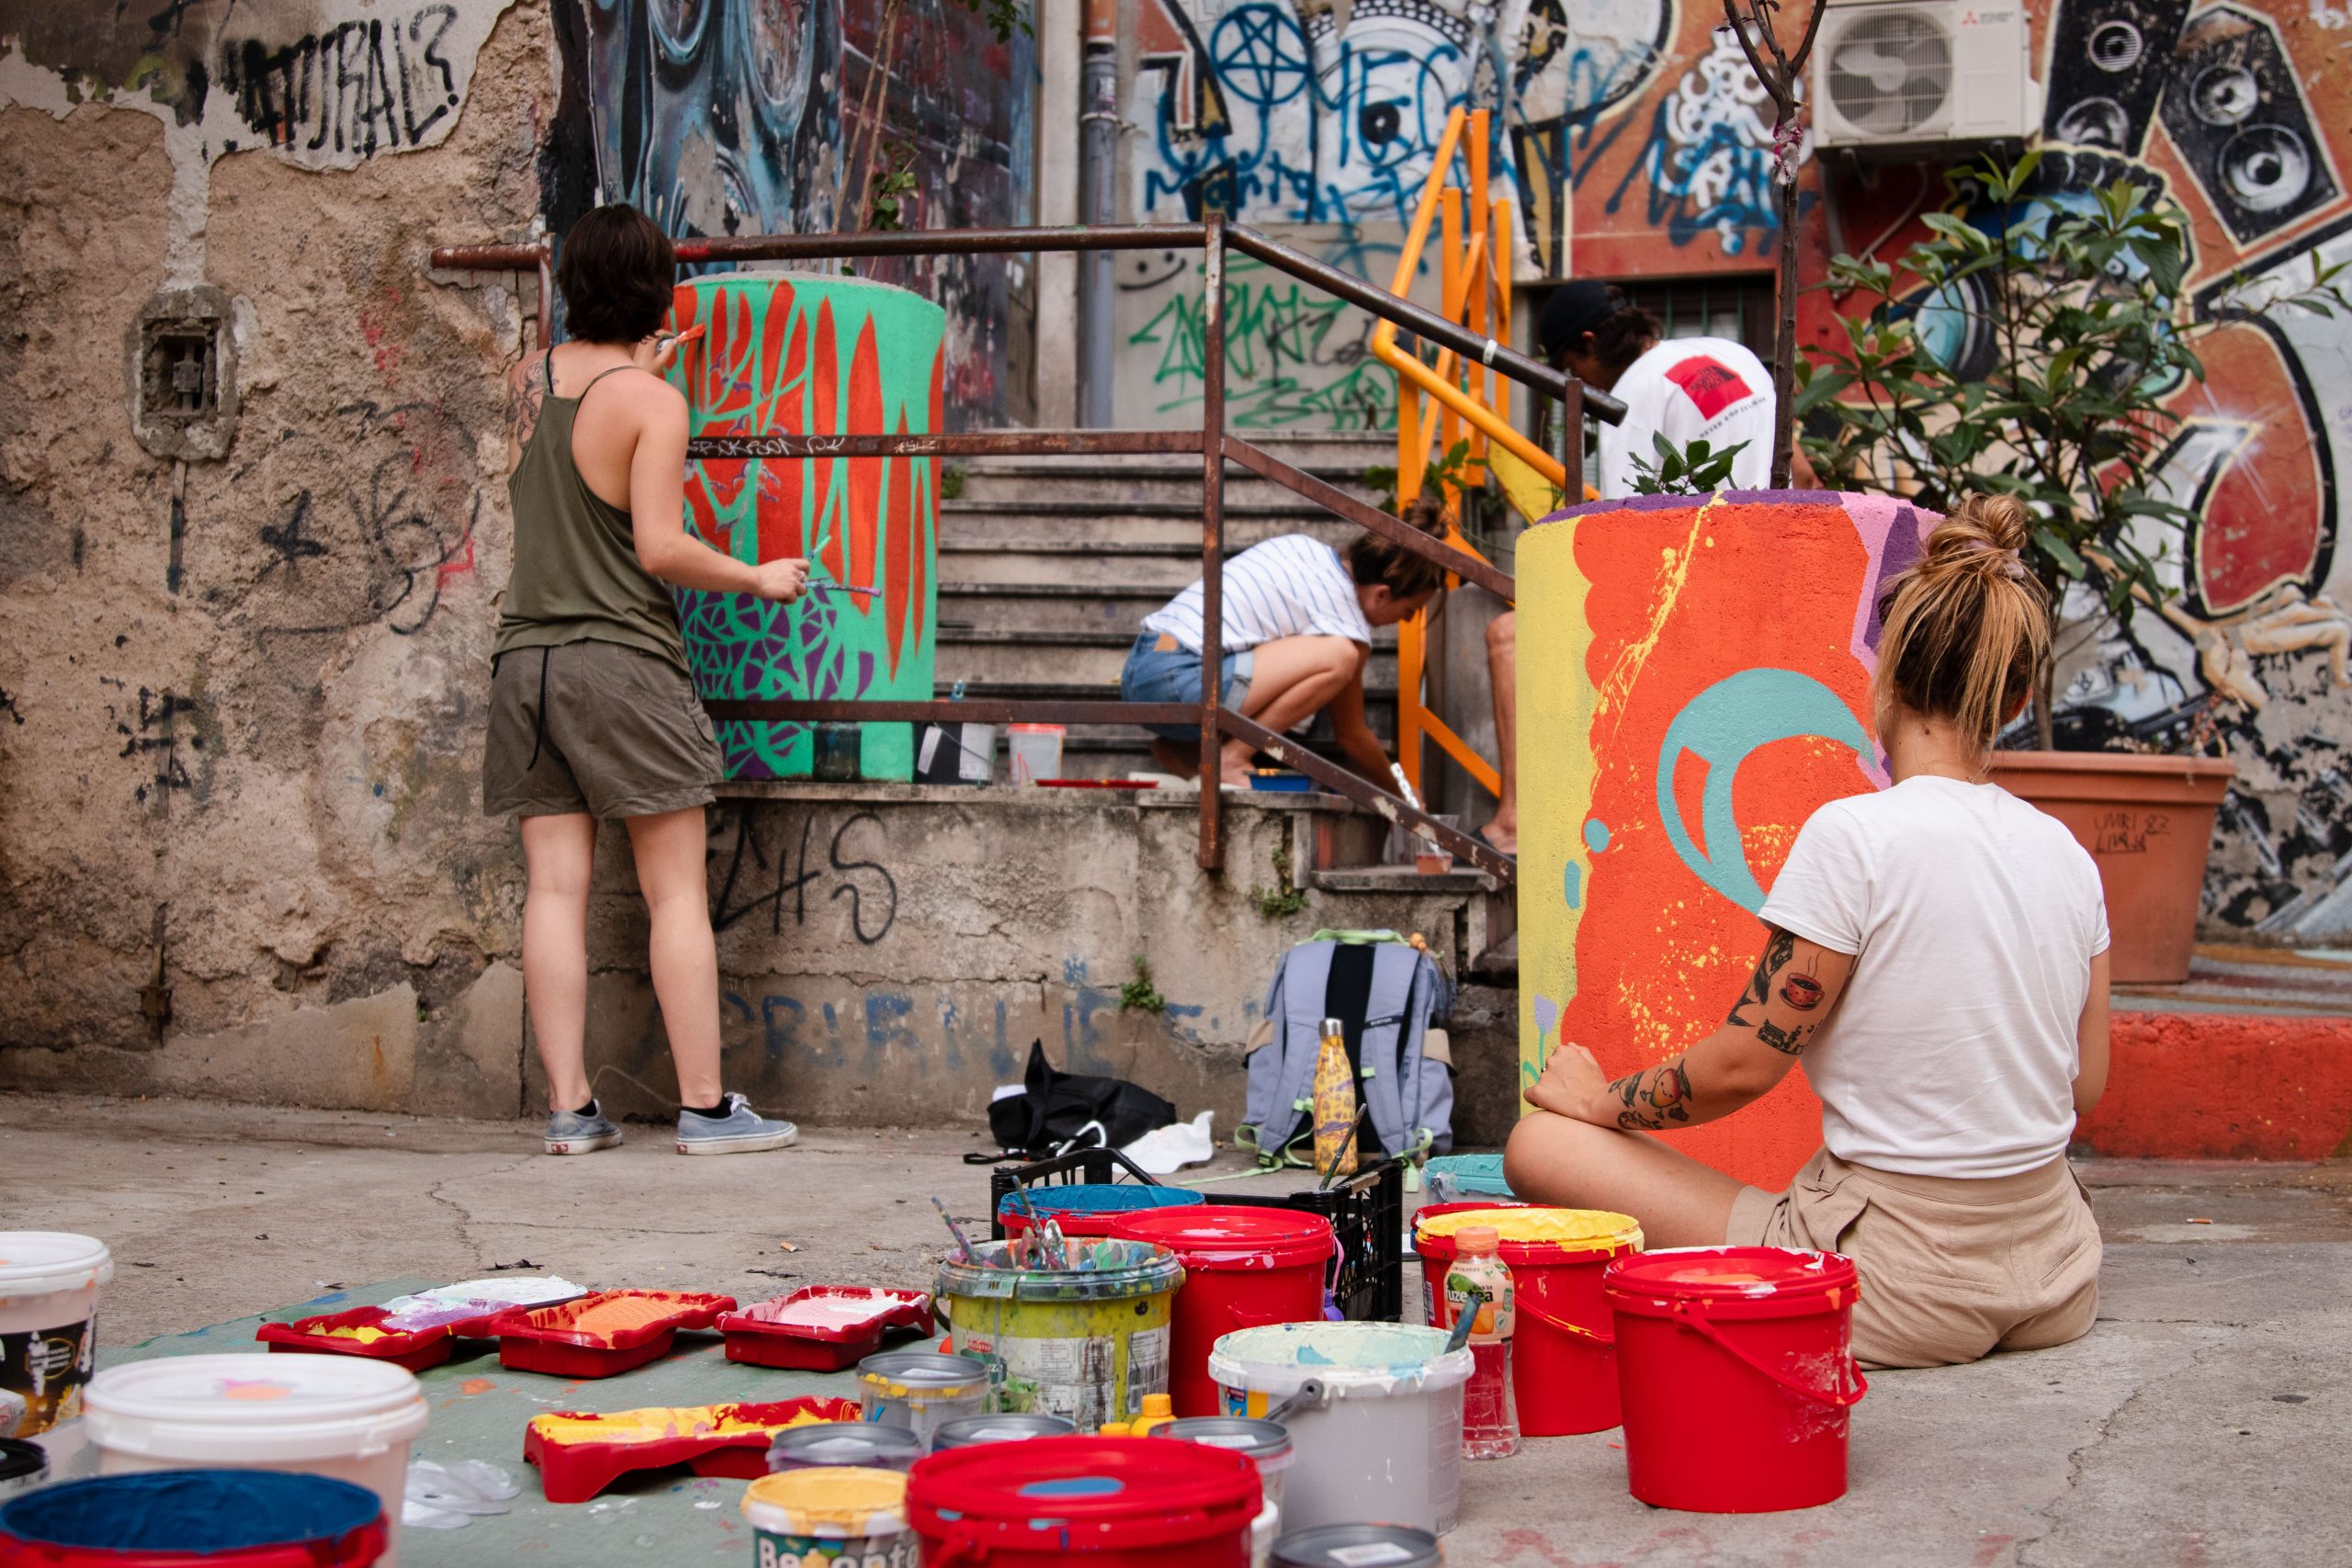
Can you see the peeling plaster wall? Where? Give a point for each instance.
(241, 726)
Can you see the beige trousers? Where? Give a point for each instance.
(1951, 1268)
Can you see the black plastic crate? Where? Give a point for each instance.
(1366, 1212)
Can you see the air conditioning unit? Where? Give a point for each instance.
(1901, 75)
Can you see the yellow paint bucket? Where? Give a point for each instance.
(817, 1517)
(1085, 1344)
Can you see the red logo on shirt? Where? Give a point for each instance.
(1709, 383)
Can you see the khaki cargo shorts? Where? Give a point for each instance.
(1951, 1268)
(599, 728)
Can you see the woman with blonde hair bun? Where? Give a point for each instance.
(1937, 953)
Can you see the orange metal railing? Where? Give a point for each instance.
(1448, 397)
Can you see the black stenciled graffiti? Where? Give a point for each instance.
(366, 86)
(757, 880)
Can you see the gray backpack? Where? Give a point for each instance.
(1386, 994)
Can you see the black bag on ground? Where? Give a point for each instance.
(1059, 1109)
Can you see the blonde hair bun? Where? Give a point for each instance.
(1966, 632)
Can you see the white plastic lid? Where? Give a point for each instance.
(34, 1263)
(253, 1407)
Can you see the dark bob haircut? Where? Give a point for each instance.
(616, 270)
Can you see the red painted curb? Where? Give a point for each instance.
(2223, 1085)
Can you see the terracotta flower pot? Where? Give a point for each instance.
(2148, 821)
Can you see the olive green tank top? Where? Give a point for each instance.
(576, 574)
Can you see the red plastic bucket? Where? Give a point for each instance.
(1118, 1501)
(1564, 1348)
(1738, 1369)
(1243, 1268)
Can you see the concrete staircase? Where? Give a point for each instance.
(1048, 567)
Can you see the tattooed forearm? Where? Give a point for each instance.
(1659, 1098)
(1777, 953)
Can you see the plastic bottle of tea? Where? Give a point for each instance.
(1489, 1420)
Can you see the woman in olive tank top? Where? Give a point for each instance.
(593, 713)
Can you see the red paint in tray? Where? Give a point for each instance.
(822, 1327)
(580, 1453)
(360, 1332)
(600, 1335)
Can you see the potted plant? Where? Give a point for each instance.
(2029, 344)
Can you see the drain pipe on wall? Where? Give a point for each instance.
(1098, 160)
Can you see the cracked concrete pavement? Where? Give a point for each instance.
(2203, 1422)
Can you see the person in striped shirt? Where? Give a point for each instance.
(1297, 624)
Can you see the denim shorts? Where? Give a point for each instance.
(1172, 675)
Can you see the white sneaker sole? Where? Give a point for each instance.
(749, 1144)
(582, 1146)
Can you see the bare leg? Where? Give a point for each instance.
(1555, 1159)
(1291, 677)
(1502, 668)
(560, 855)
(670, 849)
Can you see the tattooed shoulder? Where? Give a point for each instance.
(524, 394)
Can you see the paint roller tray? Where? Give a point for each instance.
(821, 1328)
(598, 1336)
(579, 1453)
(360, 1332)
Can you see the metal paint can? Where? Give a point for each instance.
(1009, 1426)
(921, 1390)
(844, 1444)
(23, 1466)
(1359, 1546)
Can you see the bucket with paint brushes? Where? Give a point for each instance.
(1085, 1342)
(1563, 1356)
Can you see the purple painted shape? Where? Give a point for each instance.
(1891, 531)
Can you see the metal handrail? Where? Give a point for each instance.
(1217, 446)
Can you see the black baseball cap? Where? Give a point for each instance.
(1573, 309)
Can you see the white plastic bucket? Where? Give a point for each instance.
(338, 1416)
(1388, 1443)
(49, 1300)
(1036, 751)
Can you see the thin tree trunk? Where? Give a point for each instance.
(1784, 347)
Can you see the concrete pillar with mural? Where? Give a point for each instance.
(1695, 681)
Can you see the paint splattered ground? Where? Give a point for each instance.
(2204, 1422)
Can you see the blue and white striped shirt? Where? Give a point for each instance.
(1292, 586)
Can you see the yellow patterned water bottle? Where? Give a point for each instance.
(1335, 1104)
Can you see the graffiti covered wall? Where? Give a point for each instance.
(2231, 111)
(1713, 664)
(745, 117)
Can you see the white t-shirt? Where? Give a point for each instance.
(1685, 388)
(1972, 919)
(1295, 585)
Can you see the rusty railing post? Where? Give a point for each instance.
(1212, 850)
(1572, 446)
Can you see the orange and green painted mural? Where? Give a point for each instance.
(1695, 682)
(800, 355)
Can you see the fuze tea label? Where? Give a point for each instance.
(893, 1550)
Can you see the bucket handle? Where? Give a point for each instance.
(955, 1546)
(1840, 1398)
(1605, 1341)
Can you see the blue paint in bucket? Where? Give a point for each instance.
(1099, 1197)
(191, 1510)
